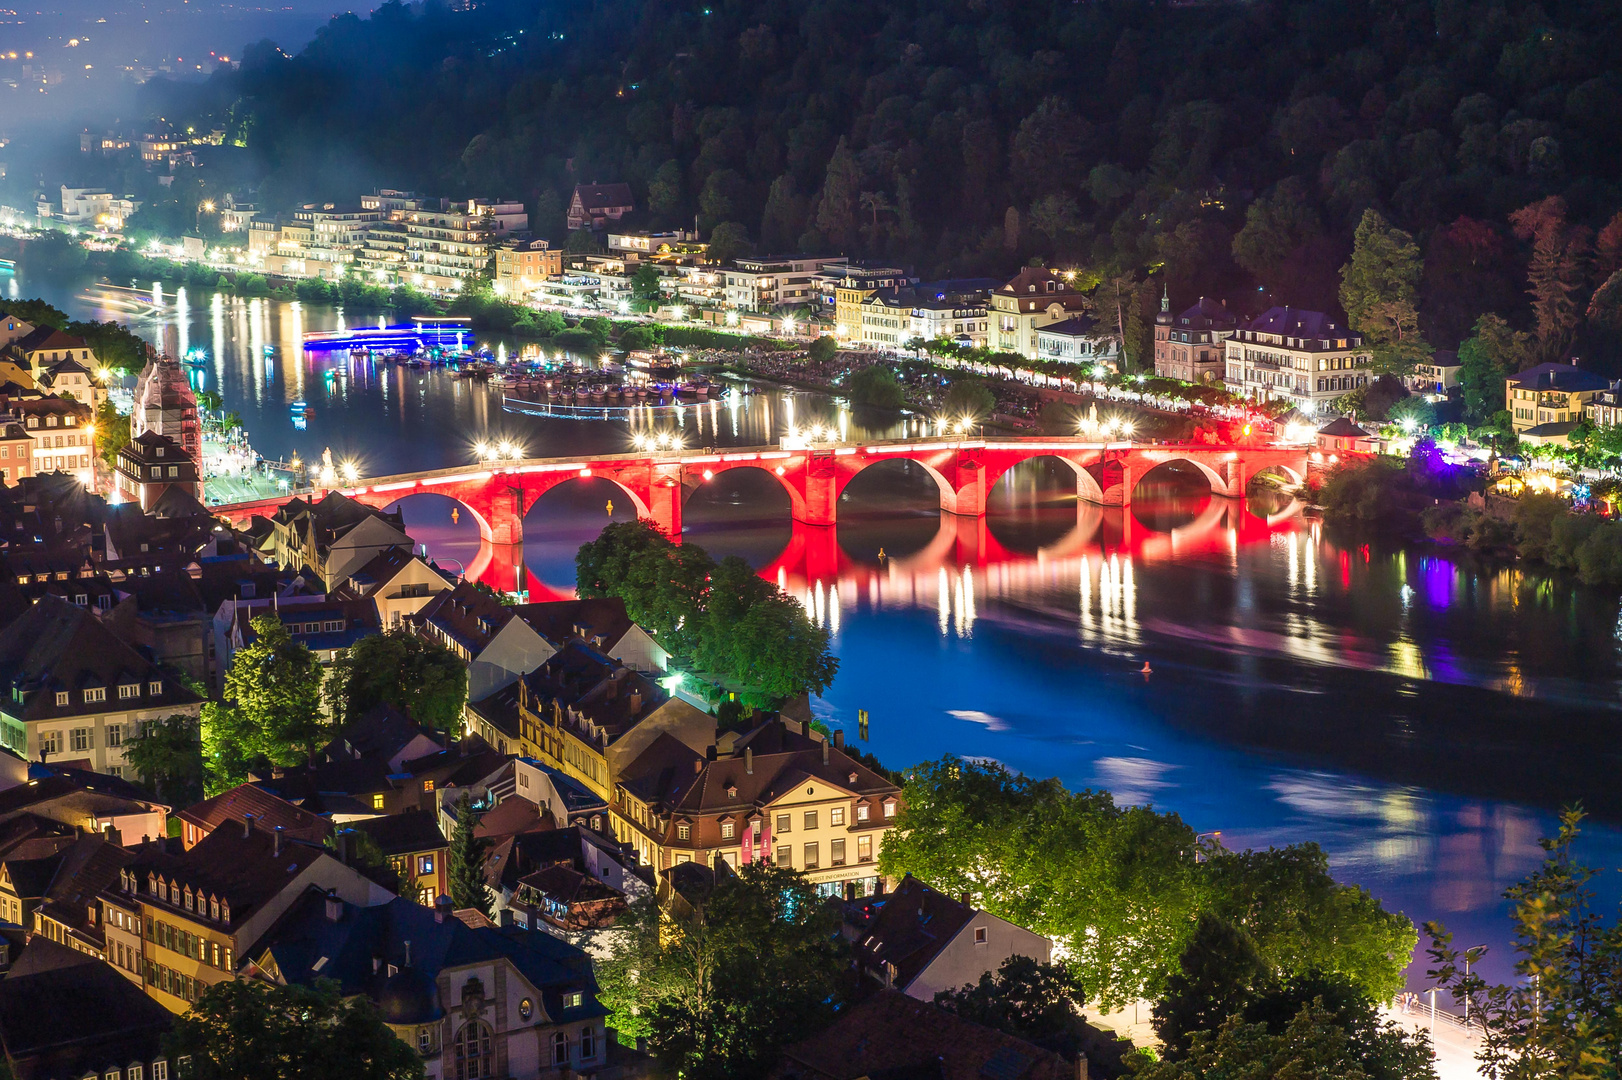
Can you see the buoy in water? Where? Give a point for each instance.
(882, 555)
(1146, 670)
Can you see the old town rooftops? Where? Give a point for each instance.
(230, 810)
(602, 696)
(59, 660)
(225, 879)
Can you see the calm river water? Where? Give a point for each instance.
(1420, 718)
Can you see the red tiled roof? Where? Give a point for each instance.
(268, 812)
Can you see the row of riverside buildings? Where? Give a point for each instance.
(593, 786)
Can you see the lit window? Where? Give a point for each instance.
(684, 832)
(861, 813)
(727, 829)
(889, 809)
(377, 801)
(154, 687)
(425, 865)
(836, 815)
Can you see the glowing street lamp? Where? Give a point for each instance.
(351, 471)
(788, 324)
(732, 318)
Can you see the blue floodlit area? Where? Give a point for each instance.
(424, 334)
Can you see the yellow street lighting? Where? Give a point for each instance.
(351, 471)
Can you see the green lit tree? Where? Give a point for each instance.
(167, 756)
(245, 1029)
(1380, 292)
(421, 678)
(271, 710)
(466, 865)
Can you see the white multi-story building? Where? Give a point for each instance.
(768, 283)
(96, 207)
(1304, 356)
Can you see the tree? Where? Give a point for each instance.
(112, 433)
(1559, 1018)
(246, 1029)
(1380, 292)
(1275, 227)
(784, 217)
(271, 709)
(720, 993)
(875, 385)
(836, 210)
(1556, 272)
(421, 678)
(466, 861)
(968, 399)
(823, 349)
(1487, 358)
(167, 756)
(1028, 1000)
(1218, 974)
(1118, 303)
(728, 240)
(647, 290)
(1311, 1047)
(1122, 888)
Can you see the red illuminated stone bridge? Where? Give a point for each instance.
(657, 483)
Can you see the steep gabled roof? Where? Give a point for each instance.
(267, 810)
(601, 196)
(912, 926)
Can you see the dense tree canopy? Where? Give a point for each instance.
(722, 617)
(1123, 887)
(421, 678)
(720, 993)
(969, 137)
(271, 710)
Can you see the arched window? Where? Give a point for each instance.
(560, 1049)
(474, 1051)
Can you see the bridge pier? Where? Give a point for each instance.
(505, 513)
(664, 506)
(1120, 494)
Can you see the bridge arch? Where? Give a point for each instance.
(1088, 487)
(947, 494)
(1218, 482)
(696, 478)
(534, 492)
(1278, 468)
(422, 496)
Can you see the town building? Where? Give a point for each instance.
(521, 265)
(1188, 345)
(766, 284)
(1437, 376)
(1546, 402)
(72, 690)
(13, 329)
(204, 911)
(445, 248)
(589, 716)
(853, 284)
(1603, 410)
(594, 205)
(251, 803)
(149, 465)
(893, 1035)
(16, 450)
(74, 1016)
(334, 537)
(63, 434)
(97, 207)
(920, 941)
(1343, 436)
(1031, 299)
(955, 310)
(676, 247)
(165, 404)
(415, 847)
(778, 794)
(46, 345)
(73, 379)
(400, 582)
(1077, 340)
(497, 646)
(1305, 357)
(475, 1001)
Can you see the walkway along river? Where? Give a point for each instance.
(1418, 717)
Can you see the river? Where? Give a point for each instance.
(1419, 717)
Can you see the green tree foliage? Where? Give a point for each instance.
(271, 709)
(719, 995)
(112, 433)
(1122, 888)
(466, 861)
(968, 398)
(113, 343)
(1029, 1000)
(245, 1029)
(1491, 354)
(1276, 227)
(421, 678)
(728, 240)
(1390, 493)
(1312, 1046)
(875, 385)
(1559, 1019)
(823, 349)
(1380, 292)
(166, 755)
(723, 617)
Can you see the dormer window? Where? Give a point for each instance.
(61, 697)
(225, 911)
(95, 695)
(187, 899)
(50, 421)
(214, 907)
(155, 687)
(159, 450)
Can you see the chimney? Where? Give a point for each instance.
(805, 728)
(636, 702)
(111, 835)
(276, 844)
(408, 954)
(247, 826)
(335, 906)
(698, 766)
(825, 751)
(442, 907)
(749, 760)
(839, 739)
(963, 898)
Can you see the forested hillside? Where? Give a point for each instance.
(1233, 145)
